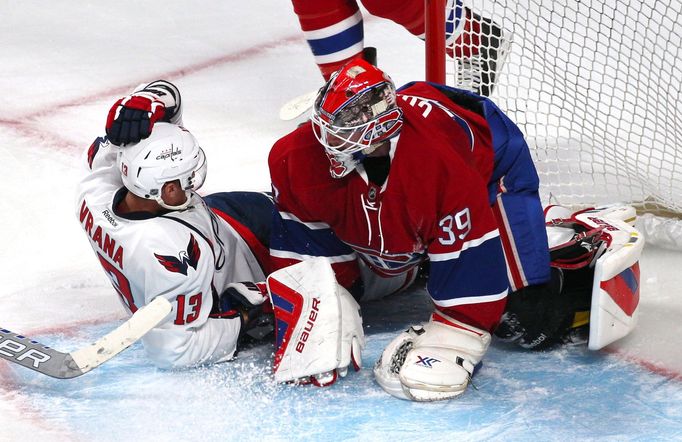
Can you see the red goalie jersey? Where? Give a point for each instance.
(433, 205)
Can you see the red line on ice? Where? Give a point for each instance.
(648, 365)
(28, 125)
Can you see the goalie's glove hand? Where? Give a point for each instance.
(431, 362)
(539, 316)
(132, 118)
(251, 300)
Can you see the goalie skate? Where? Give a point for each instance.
(480, 52)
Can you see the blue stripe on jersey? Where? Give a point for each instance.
(293, 236)
(478, 271)
(337, 42)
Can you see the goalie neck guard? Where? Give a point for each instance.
(354, 112)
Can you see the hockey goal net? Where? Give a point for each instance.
(593, 84)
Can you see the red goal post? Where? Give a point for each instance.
(593, 84)
(434, 35)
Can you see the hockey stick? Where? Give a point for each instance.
(31, 354)
(296, 107)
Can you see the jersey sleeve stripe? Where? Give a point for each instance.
(437, 257)
(471, 299)
(313, 243)
(517, 277)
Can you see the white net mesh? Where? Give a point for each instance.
(594, 86)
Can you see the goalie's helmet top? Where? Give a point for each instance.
(170, 153)
(354, 112)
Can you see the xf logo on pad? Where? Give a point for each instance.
(426, 361)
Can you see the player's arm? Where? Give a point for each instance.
(468, 285)
(294, 240)
(130, 120)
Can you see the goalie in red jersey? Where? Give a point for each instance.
(382, 181)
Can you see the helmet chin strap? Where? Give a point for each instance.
(183, 206)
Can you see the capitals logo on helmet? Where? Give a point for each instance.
(354, 112)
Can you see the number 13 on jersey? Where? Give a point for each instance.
(455, 227)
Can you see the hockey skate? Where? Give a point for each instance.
(480, 51)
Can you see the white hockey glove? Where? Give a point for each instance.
(132, 118)
(318, 325)
(431, 362)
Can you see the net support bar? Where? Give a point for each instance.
(435, 40)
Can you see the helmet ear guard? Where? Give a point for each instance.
(170, 153)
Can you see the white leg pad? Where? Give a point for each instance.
(318, 324)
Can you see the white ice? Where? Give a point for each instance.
(63, 63)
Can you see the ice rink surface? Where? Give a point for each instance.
(62, 64)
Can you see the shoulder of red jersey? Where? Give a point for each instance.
(295, 146)
(297, 161)
(444, 128)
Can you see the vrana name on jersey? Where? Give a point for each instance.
(105, 243)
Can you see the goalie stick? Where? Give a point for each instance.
(296, 107)
(48, 361)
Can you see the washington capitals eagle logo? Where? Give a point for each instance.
(186, 258)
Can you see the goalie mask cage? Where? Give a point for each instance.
(593, 85)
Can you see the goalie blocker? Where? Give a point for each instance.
(614, 292)
(318, 328)
(595, 282)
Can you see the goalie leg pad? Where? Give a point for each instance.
(431, 362)
(318, 324)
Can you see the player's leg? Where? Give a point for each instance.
(250, 215)
(477, 42)
(407, 13)
(333, 30)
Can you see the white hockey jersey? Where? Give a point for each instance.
(184, 256)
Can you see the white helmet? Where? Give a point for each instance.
(169, 153)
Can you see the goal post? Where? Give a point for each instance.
(593, 84)
(434, 37)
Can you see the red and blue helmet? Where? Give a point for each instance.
(354, 112)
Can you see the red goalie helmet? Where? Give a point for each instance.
(353, 113)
